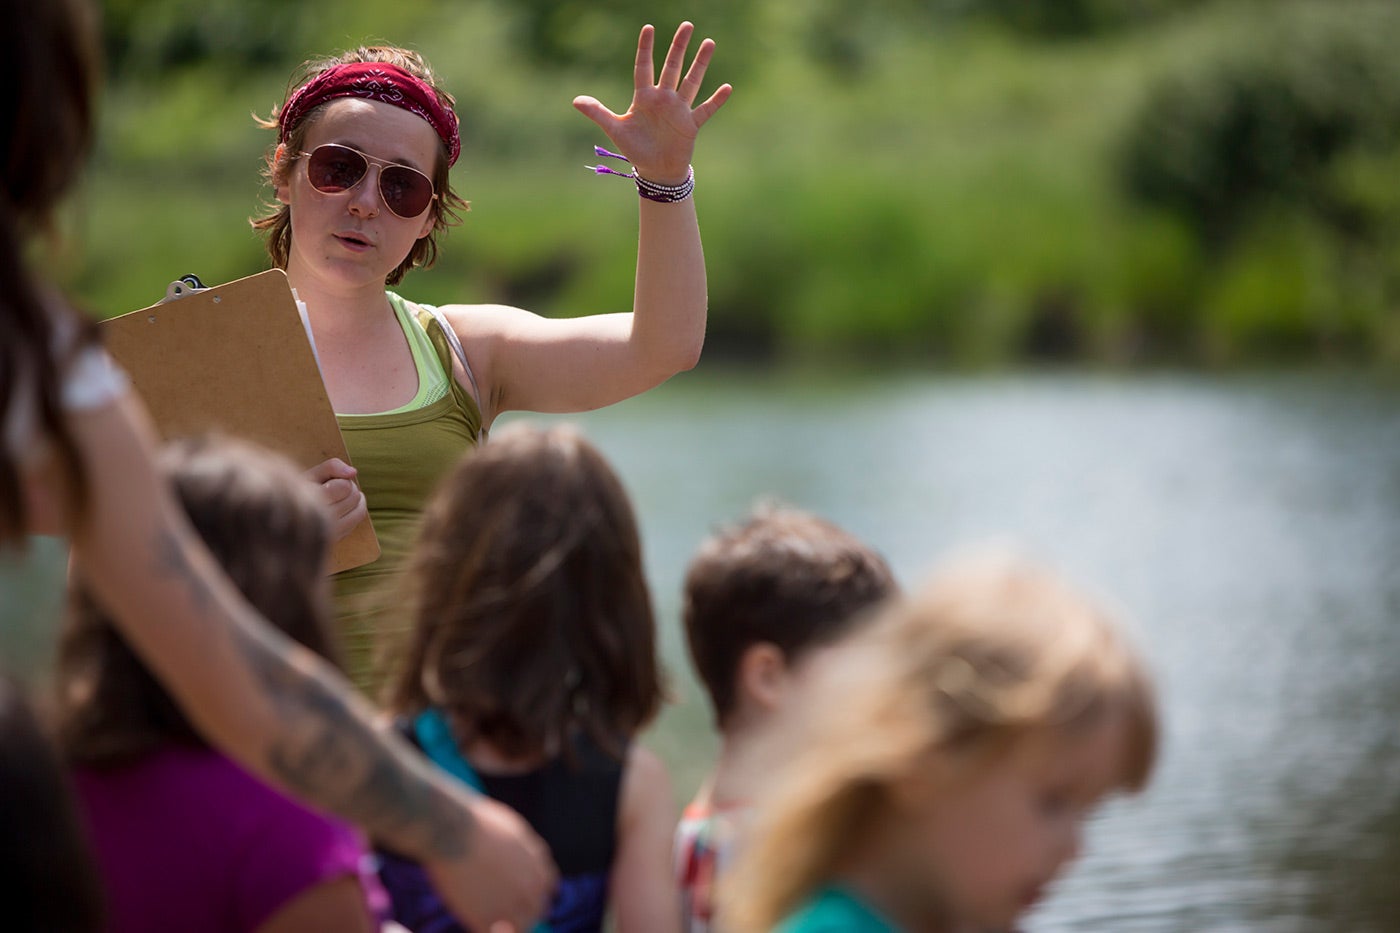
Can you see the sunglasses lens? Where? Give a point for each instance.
(406, 192)
(332, 169)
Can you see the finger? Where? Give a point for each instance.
(707, 109)
(357, 513)
(594, 110)
(351, 510)
(690, 87)
(643, 73)
(336, 491)
(675, 57)
(342, 525)
(330, 469)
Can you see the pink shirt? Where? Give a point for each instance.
(187, 840)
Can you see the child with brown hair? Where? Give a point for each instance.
(531, 668)
(185, 839)
(948, 762)
(761, 600)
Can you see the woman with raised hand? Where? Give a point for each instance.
(76, 459)
(365, 140)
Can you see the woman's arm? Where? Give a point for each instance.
(643, 890)
(270, 704)
(526, 362)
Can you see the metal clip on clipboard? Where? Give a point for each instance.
(184, 285)
(234, 358)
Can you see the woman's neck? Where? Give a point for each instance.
(366, 362)
(333, 312)
(338, 307)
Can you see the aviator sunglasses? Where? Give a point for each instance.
(332, 169)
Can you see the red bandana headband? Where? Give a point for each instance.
(373, 81)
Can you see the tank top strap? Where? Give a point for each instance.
(446, 346)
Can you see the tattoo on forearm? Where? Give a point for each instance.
(327, 753)
(171, 561)
(334, 757)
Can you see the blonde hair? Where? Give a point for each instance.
(990, 652)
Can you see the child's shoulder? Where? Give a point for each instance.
(646, 785)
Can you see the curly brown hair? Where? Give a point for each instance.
(276, 223)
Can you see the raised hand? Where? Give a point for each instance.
(657, 133)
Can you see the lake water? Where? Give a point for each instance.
(1244, 527)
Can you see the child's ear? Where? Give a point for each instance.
(763, 674)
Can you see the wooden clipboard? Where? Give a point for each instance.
(236, 358)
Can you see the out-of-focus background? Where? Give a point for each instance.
(959, 181)
(1116, 281)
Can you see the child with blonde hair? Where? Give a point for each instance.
(531, 668)
(948, 763)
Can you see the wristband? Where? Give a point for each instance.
(651, 190)
(666, 194)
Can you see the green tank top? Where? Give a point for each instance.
(401, 455)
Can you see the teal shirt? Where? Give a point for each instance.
(833, 910)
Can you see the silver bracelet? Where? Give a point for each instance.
(666, 194)
(652, 191)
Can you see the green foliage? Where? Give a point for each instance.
(891, 179)
(149, 38)
(1069, 18)
(1264, 120)
(1280, 152)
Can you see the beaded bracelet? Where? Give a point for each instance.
(652, 191)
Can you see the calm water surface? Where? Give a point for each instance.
(1245, 528)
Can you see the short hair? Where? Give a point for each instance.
(783, 576)
(532, 619)
(276, 223)
(267, 527)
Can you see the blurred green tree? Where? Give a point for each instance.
(1066, 18)
(146, 39)
(1263, 122)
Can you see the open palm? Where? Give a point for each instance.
(657, 132)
